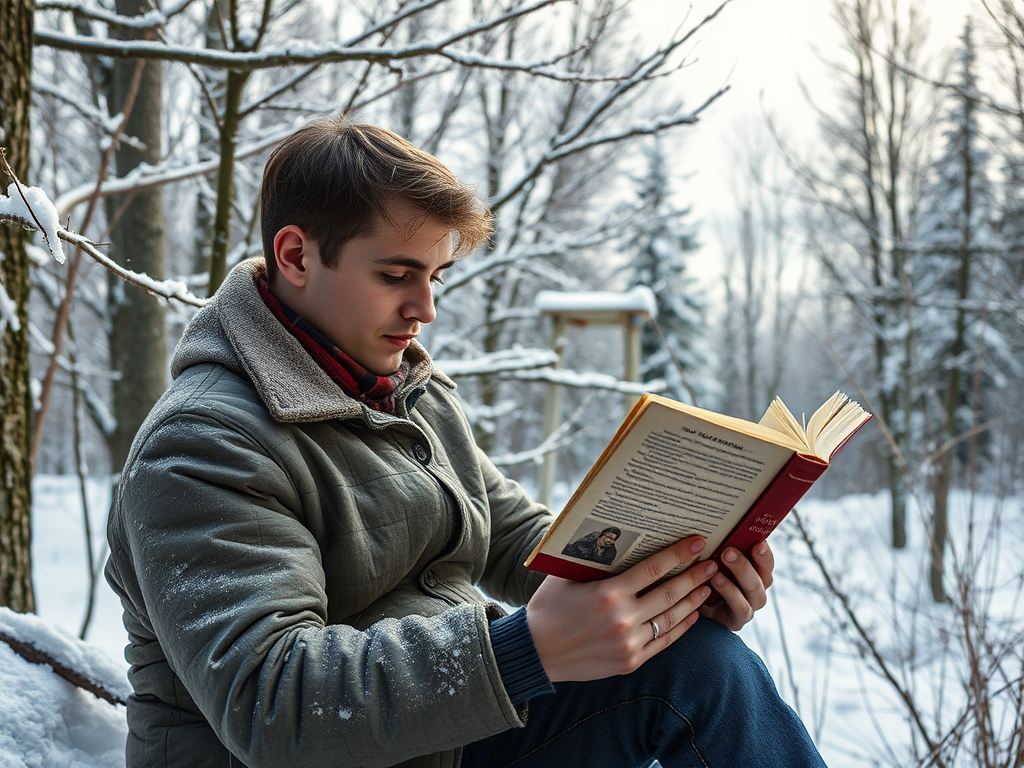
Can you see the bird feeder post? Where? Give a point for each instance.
(631, 348)
(552, 413)
(629, 309)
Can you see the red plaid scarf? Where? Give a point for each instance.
(378, 392)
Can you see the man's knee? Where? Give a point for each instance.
(710, 653)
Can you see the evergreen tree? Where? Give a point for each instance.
(662, 244)
(957, 245)
(1011, 217)
(955, 335)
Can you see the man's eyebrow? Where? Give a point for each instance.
(407, 261)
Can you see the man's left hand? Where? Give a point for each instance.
(748, 593)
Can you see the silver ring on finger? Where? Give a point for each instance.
(657, 630)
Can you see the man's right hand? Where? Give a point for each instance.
(593, 630)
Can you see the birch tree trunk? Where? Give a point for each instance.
(16, 27)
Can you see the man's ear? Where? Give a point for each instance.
(293, 250)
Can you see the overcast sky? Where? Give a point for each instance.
(762, 49)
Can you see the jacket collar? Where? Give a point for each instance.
(237, 330)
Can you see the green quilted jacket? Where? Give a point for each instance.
(299, 573)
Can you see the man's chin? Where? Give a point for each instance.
(385, 367)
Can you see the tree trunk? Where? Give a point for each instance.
(138, 332)
(496, 123)
(886, 301)
(16, 28)
(233, 90)
(209, 146)
(953, 397)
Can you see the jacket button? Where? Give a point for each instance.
(420, 453)
(430, 579)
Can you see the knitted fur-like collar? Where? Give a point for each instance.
(237, 330)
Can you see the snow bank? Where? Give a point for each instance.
(45, 721)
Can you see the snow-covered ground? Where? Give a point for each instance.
(856, 719)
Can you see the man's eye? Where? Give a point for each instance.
(438, 279)
(392, 279)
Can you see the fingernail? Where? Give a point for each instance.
(762, 547)
(719, 580)
(730, 556)
(705, 592)
(697, 546)
(710, 568)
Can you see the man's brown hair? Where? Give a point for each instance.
(334, 179)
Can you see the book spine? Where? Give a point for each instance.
(566, 569)
(774, 503)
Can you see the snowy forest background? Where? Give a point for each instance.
(885, 258)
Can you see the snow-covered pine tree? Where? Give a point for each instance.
(659, 249)
(1010, 289)
(952, 280)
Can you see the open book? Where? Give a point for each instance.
(674, 470)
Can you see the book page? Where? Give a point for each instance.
(672, 475)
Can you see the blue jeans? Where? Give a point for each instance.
(707, 701)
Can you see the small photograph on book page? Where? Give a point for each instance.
(599, 543)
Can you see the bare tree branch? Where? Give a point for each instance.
(151, 20)
(165, 289)
(300, 53)
(867, 641)
(972, 94)
(94, 116)
(560, 150)
(145, 178)
(403, 14)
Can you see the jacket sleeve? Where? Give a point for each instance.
(230, 577)
(517, 524)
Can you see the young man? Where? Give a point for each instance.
(304, 526)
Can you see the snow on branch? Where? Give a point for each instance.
(576, 139)
(166, 289)
(534, 365)
(560, 438)
(563, 436)
(639, 129)
(298, 53)
(149, 20)
(528, 255)
(145, 176)
(502, 361)
(403, 14)
(561, 149)
(107, 124)
(32, 209)
(589, 380)
(301, 52)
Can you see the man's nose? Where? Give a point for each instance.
(420, 306)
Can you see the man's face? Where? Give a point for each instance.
(606, 539)
(380, 293)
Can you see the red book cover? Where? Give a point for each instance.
(698, 453)
(566, 569)
(781, 495)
